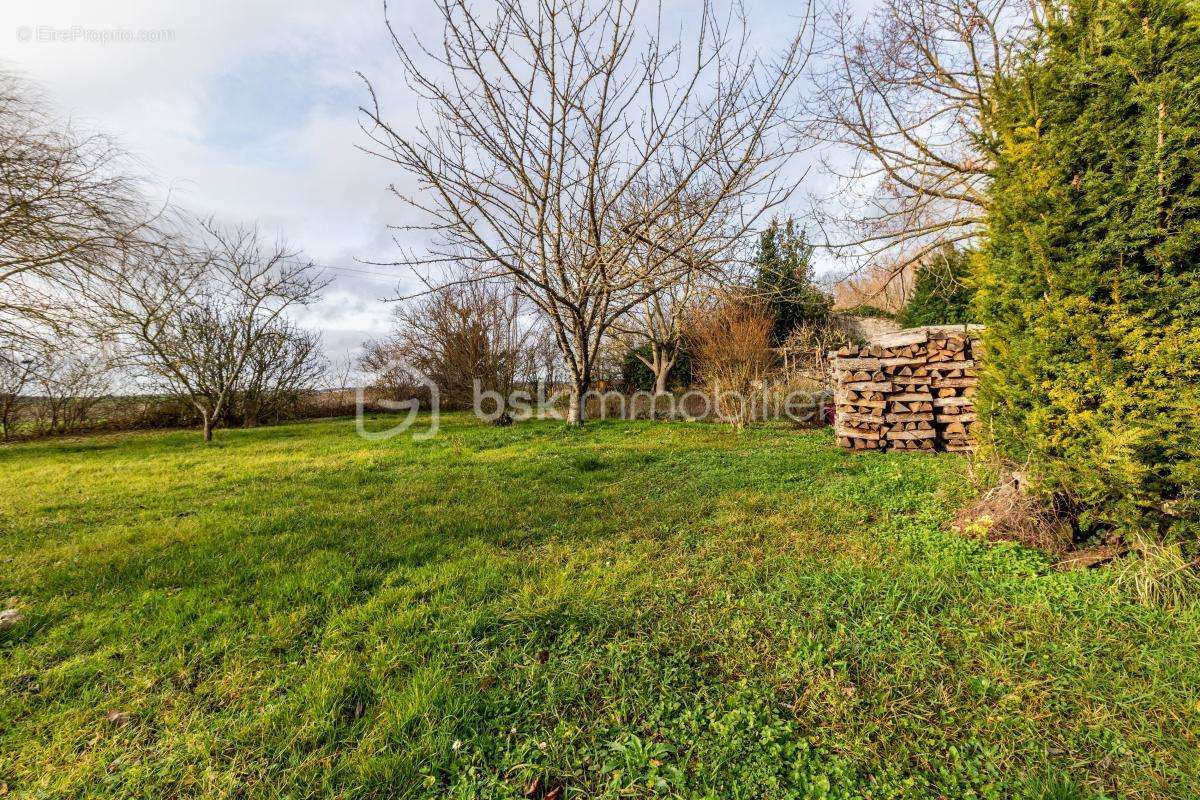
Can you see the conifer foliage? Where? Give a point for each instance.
(941, 294)
(785, 281)
(1089, 281)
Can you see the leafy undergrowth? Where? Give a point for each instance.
(628, 610)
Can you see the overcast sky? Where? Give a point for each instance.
(248, 109)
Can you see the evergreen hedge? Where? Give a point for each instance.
(1089, 280)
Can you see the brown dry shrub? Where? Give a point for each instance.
(1008, 512)
(730, 342)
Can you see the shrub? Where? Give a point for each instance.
(731, 344)
(1089, 280)
(463, 333)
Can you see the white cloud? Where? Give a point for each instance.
(248, 110)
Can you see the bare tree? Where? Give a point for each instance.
(461, 334)
(67, 208)
(548, 120)
(905, 92)
(885, 285)
(286, 362)
(191, 314)
(658, 323)
(339, 382)
(544, 369)
(17, 370)
(71, 381)
(381, 367)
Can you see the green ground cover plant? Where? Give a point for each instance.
(632, 609)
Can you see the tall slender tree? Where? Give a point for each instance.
(785, 282)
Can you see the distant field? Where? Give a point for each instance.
(628, 610)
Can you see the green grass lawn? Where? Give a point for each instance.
(627, 610)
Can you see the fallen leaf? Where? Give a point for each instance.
(118, 718)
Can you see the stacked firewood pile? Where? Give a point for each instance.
(909, 390)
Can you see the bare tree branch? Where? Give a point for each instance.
(67, 209)
(549, 121)
(905, 92)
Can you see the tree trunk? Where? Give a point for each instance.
(208, 433)
(250, 414)
(581, 378)
(663, 361)
(575, 408)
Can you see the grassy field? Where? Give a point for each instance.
(627, 610)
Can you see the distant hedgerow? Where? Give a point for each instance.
(1089, 280)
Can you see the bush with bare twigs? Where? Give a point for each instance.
(731, 343)
(458, 335)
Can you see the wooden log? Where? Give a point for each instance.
(859, 434)
(964, 331)
(910, 435)
(902, 338)
(939, 382)
(868, 386)
(840, 400)
(856, 363)
(948, 402)
(870, 419)
(910, 417)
